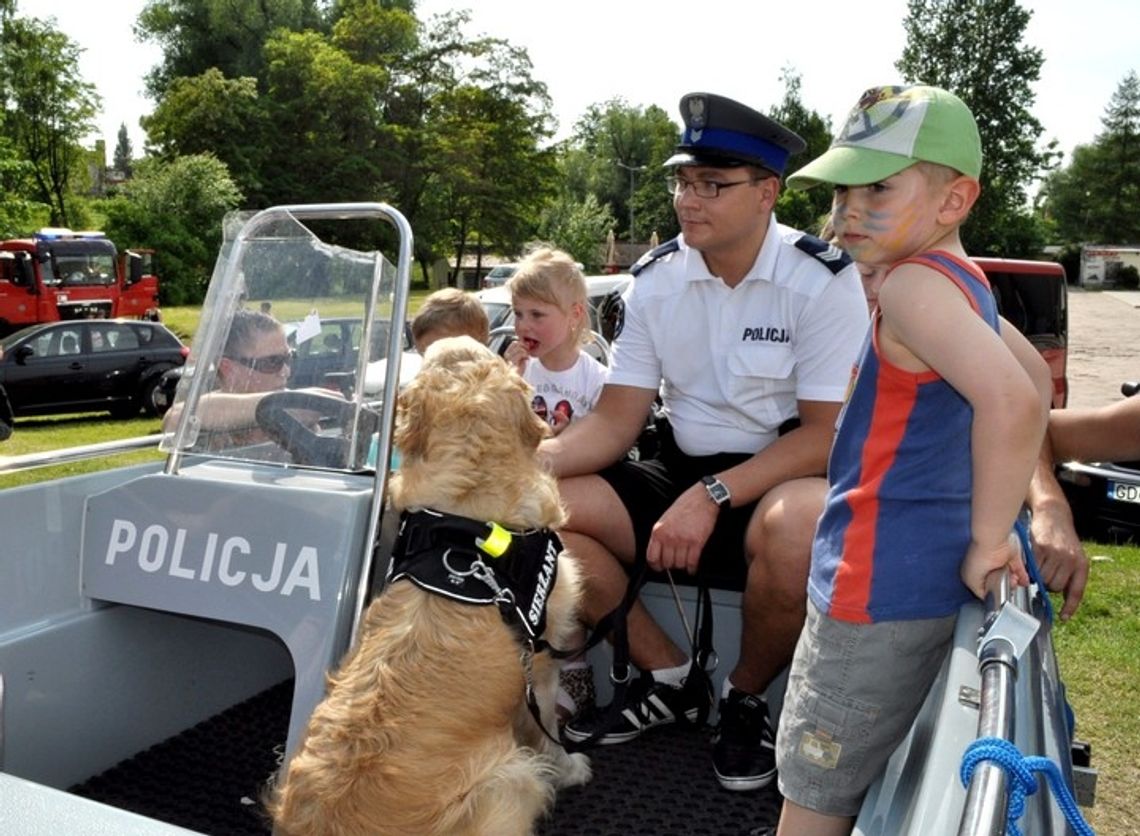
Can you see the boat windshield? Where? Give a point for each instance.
(290, 326)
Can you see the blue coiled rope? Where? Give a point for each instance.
(1023, 781)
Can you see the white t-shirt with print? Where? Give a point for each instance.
(574, 391)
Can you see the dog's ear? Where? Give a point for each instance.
(531, 428)
(412, 409)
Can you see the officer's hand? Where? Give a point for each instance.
(1060, 556)
(681, 533)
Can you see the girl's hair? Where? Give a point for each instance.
(552, 276)
(246, 323)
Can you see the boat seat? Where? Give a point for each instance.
(243, 543)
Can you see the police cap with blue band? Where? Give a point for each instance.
(724, 133)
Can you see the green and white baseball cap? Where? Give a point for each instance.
(892, 128)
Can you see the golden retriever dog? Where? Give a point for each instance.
(425, 728)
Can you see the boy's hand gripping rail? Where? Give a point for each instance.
(1009, 630)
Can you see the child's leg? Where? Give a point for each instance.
(796, 820)
(575, 681)
(853, 691)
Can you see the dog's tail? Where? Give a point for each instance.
(502, 789)
(508, 792)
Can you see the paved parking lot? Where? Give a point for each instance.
(1104, 344)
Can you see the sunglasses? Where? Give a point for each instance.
(268, 364)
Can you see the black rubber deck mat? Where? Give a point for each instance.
(210, 778)
(660, 784)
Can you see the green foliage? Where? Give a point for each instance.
(578, 228)
(197, 35)
(327, 106)
(974, 48)
(123, 161)
(18, 214)
(365, 103)
(616, 153)
(212, 114)
(176, 208)
(806, 210)
(1094, 197)
(47, 108)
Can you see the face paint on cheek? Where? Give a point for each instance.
(878, 222)
(902, 227)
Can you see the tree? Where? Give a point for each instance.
(210, 113)
(367, 102)
(578, 227)
(197, 35)
(18, 213)
(176, 207)
(974, 49)
(324, 107)
(1120, 144)
(48, 107)
(808, 209)
(461, 142)
(123, 152)
(616, 153)
(492, 167)
(1094, 197)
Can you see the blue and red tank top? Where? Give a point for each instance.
(896, 524)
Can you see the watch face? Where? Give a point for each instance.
(716, 490)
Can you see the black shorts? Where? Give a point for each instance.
(647, 488)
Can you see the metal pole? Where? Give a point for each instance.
(632, 169)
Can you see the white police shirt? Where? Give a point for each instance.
(732, 362)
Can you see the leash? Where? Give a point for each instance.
(621, 669)
(515, 571)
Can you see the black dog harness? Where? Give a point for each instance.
(480, 563)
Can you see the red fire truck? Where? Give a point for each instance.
(59, 274)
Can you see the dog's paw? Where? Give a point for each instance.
(573, 770)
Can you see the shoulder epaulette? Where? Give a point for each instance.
(670, 246)
(833, 258)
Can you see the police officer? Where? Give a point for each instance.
(749, 330)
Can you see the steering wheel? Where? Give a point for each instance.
(506, 333)
(275, 415)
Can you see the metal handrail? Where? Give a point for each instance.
(984, 813)
(66, 455)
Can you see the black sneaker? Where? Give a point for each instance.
(744, 750)
(648, 703)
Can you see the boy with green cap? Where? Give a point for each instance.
(933, 454)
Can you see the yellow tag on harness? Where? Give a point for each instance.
(497, 542)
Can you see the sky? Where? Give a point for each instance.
(651, 52)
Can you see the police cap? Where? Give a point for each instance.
(724, 133)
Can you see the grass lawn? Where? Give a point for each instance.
(1099, 653)
(183, 320)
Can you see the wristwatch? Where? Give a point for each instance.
(717, 490)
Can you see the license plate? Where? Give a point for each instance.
(1124, 492)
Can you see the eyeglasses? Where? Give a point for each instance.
(267, 364)
(703, 188)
